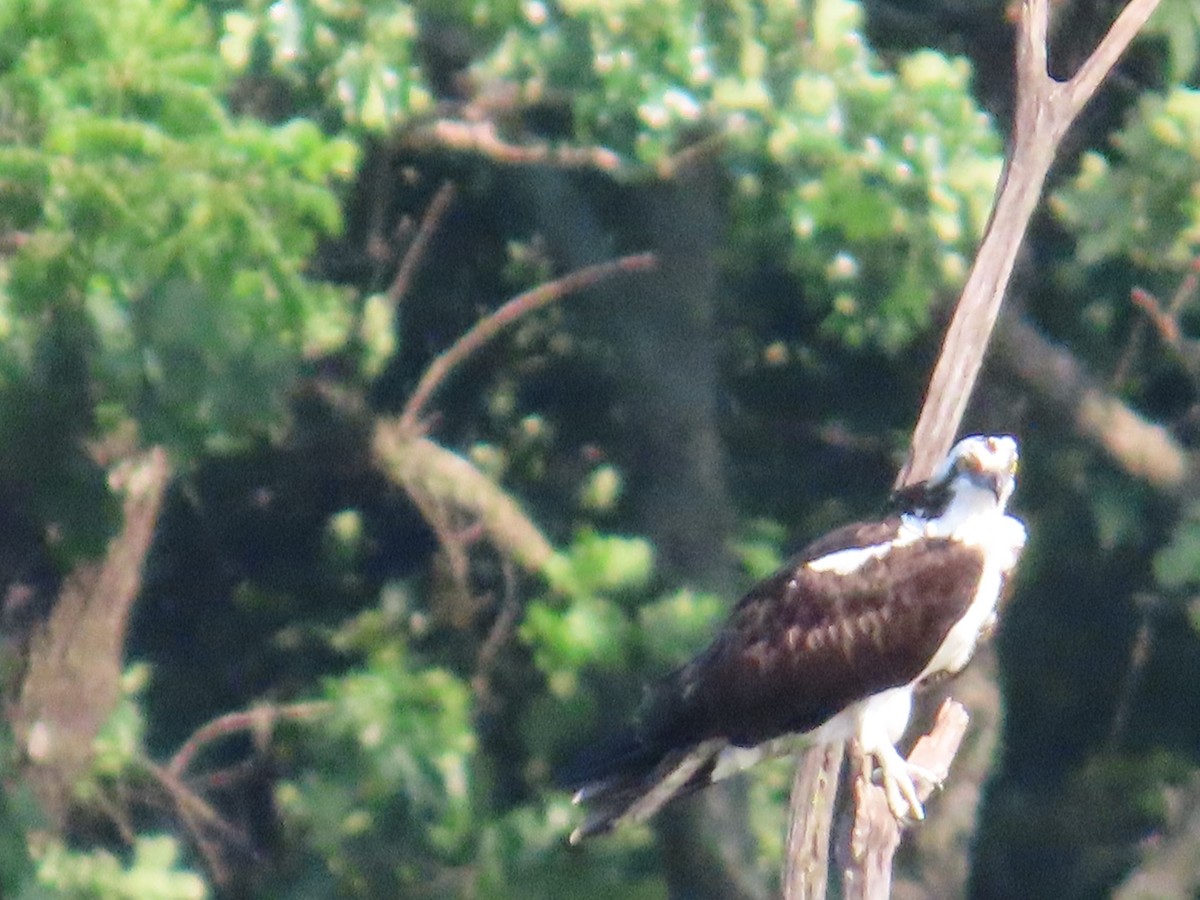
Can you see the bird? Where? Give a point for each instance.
(831, 647)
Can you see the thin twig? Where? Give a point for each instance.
(1129, 355)
(487, 328)
(260, 717)
(416, 250)
(1166, 319)
(438, 516)
(200, 820)
(482, 138)
(1164, 323)
(501, 631)
(1139, 656)
(231, 776)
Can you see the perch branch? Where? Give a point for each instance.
(805, 875)
(868, 871)
(1045, 109)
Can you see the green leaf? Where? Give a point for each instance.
(1177, 565)
(1141, 204)
(605, 563)
(676, 627)
(586, 631)
(152, 873)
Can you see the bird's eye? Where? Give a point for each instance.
(969, 464)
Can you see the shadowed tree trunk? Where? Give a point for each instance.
(659, 330)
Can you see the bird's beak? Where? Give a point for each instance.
(997, 479)
(992, 481)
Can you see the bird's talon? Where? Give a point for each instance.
(920, 773)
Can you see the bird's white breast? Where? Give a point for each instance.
(1000, 539)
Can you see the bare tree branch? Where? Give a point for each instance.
(481, 138)
(258, 719)
(439, 479)
(440, 482)
(1143, 449)
(72, 681)
(1083, 84)
(487, 329)
(416, 250)
(208, 829)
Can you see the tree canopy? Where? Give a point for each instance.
(337, 514)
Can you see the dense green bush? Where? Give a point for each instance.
(203, 207)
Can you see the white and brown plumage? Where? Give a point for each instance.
(830, 647)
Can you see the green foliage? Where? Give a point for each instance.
(152, 872)
(1141, 201)
(587, 631)
(675, 627)
(19, 817)
(521, 855)
(582, 626)
(599, 563)
(171, 235)
(876, 183)
(384, 794)
(759, 548)
(602, 489)
(120, 744)
(361, 56)
(1177, 563)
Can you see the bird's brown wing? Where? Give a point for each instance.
(803, 645)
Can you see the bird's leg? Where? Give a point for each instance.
(897, 775)
(881, 719)
(898, 778)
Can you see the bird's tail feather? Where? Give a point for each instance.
(636, 792)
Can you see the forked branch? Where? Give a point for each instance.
(1045, 110)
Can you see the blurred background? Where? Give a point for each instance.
(304, 597)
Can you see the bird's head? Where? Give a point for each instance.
(977, 477)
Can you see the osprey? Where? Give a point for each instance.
(830, 647)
